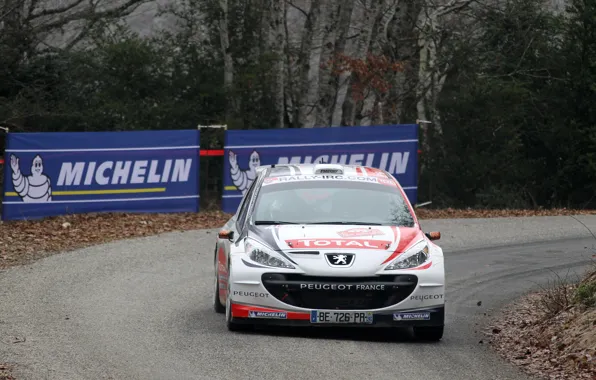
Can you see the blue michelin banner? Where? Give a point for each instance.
(390, 147)
(48, 174)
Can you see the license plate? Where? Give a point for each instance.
(355, 317)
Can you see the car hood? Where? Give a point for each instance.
(379, 244)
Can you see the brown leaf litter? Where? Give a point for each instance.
(5, 372)
(66, 233)
(22, 242)
(556, 347)
(451, 213)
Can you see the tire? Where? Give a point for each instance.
(232, 326)
(429, 333)
(217, 306)
(236, 327)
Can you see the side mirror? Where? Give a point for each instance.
(433, 235)
(225, 234)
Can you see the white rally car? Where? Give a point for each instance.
(328, 244)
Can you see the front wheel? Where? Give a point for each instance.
(231, 325)
(429, 333)
(217, 306)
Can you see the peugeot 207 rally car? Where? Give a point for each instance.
(328, 244)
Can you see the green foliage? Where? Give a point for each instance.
(123, 83)
(517, 112)
(517, 109)
(585, 294)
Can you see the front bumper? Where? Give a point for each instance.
(287, 297)
(255, 315)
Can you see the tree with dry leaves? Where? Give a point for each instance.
(31, 30)
(309, 38)
(487, 74)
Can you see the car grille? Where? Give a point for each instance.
(339, 293)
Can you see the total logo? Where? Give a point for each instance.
(267, 314)
(427, 297)
(339, 243)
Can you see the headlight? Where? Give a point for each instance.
(412, 258)
(265, 256)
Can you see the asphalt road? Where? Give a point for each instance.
(141, 309)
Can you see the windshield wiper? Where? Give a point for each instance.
(272, 222)
(354, 223)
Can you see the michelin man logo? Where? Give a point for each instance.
(244, 178)
(32, 188)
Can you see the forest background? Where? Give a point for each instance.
(508, 86)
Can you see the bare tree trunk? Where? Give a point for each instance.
(308, 66)
(224, 38)
(402, 43)
(277, 41)
(369, 16)
(289, 93)
(345, 20)
(378, 43)
(326, 87)
(431, 78)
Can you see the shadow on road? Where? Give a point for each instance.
(377, 335)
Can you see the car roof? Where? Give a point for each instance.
(357, 172)
(320, 169)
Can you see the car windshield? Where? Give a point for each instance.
(331, 202)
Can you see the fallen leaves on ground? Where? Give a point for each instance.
(22, 242)
(557, 348)
(451, 213)
(5, 372)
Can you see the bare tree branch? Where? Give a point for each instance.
(51, 12)
(90, 13)
(8, 12)
(453, 6)
(290, 3)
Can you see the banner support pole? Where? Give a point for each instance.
(420, 123)
(214, 126)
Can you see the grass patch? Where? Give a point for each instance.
(557, 295)
(585, 294)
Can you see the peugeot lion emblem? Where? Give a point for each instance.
(340, 259)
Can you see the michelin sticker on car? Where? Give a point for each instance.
(267, 314)
(411, 316)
